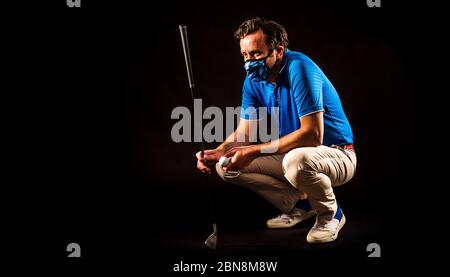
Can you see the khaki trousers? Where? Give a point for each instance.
(280, 178)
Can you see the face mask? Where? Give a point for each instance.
(257, 70)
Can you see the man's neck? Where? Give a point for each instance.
(274, 71)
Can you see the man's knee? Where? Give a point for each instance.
(298, 163)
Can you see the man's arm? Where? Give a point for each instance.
(241, 136)
(309, 134)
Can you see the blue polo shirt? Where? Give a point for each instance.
(301, 89)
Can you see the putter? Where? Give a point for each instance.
(211, 241)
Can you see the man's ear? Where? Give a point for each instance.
(279, 51)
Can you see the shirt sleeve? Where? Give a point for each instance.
(307, 84)
(250, 102)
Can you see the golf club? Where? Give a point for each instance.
(211, 241)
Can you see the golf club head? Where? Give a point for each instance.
(211, 241)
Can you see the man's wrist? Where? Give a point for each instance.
(266, 149)
(220, 148)
(255, 150)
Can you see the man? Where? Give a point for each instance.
(314, 152)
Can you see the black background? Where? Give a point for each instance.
(95, 164)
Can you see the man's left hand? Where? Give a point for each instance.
(240, 156)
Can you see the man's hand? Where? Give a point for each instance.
(210, 157)
(241, 157)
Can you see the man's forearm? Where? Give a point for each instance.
(233, 140)
(298, 138)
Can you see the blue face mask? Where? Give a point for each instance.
(257, 70)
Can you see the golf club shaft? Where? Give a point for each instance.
(187, 59)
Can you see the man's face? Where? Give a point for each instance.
(253, 46)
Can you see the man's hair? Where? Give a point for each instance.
(274, 33)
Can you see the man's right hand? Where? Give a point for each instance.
(211, 157)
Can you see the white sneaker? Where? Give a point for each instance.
(289, 220)
(326, 231)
